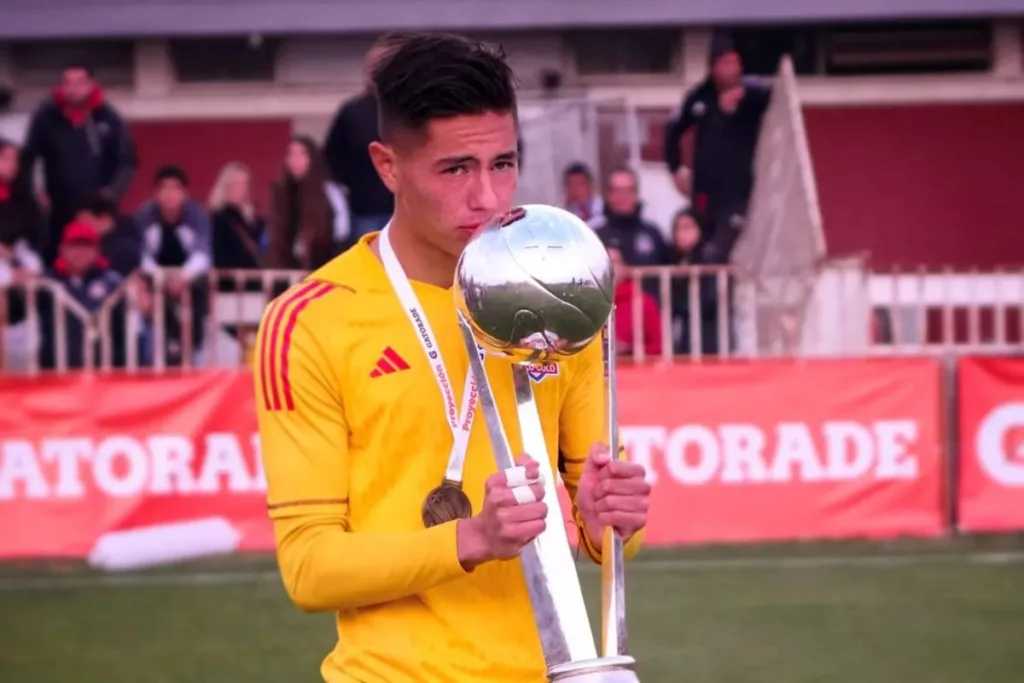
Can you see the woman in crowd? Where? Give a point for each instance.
(238, 229)
(309, 220)
(686, 247)
(239, 241)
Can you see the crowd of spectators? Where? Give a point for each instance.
(74, 229)
(723, 114)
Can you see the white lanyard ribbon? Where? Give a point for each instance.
(460, 422)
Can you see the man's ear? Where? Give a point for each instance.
(384, 160)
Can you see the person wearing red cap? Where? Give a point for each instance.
(86, 283)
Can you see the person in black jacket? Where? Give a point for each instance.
(347, 154)
(20, 233)
(239, 232)
(726, 110)
(694, 298)
(84, 146)
(120, 240)
(622, 227)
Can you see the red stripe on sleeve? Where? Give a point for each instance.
(287, 299)
(264, 349)
(286, 386)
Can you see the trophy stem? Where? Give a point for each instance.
(614, 641)
(551, 579)
(553, 545)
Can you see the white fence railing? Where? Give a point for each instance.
(691, 313)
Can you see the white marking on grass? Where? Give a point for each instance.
(226, 578)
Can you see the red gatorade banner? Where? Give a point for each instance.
(120, 469)
(787, 450)
(129, 470)
(991, 473)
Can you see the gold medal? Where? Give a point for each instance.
(446, 503)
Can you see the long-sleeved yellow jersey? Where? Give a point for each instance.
(354, 435)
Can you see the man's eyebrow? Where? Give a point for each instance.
(456, 161)
(469, 158)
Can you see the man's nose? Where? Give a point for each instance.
(482, 196)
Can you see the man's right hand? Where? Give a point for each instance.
(504, 526)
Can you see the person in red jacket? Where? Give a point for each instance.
(626, 298)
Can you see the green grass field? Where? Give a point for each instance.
(901, 612)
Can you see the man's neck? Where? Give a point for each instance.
(421, 261)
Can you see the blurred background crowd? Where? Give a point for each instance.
(112, 253)
(63, 213)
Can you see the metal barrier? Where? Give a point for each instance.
(702, 312)
(929, 311)
(147, 323)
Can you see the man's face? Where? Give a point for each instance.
(728, 70)
(170, 196)
(623, 194)
(8, 164)
(76, 85)
(457, 176)
(578, 189)
(80, 256)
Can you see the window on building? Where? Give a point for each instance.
(606, 52)
(911, 48)
(39, 63)
(221, 60)
(763, 47)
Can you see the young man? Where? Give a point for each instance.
(580, 197)
(85, 148)
(359, 427)
(120, 241)
(176, 236)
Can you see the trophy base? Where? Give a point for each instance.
(618, 669)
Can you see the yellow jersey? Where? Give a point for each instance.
(353, 437)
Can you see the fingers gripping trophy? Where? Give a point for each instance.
(536, 285)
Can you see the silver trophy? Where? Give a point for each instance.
(536, 287)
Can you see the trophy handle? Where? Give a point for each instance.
(551, 579)
(614, 640)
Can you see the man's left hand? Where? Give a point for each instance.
(612, 493)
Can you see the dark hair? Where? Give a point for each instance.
(98, 205)
(577, 168)
(686, 213)
(170, 172)
(622, 169)
(79, 64)
(5, 143)
(428, 76)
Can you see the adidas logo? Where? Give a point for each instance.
(389, 363)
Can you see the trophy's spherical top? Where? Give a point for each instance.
(535, 284)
